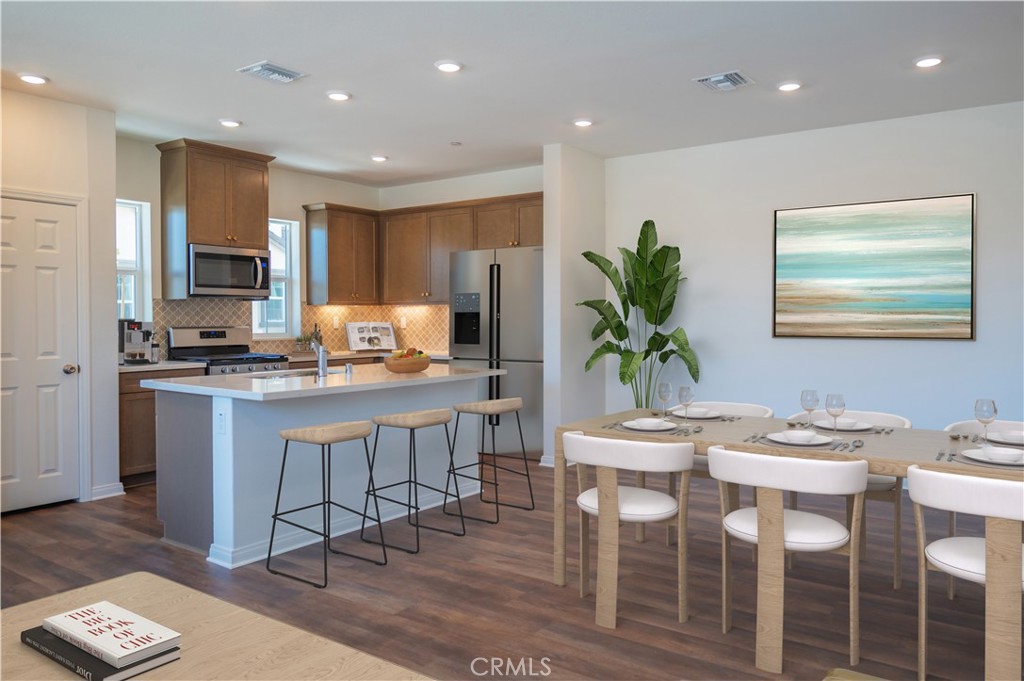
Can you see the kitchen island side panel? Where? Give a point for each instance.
(184, 479)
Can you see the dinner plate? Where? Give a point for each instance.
(700, 415)
(662, 425)
(783, 439)
(1007, 437)
(857, 426)
(982, 455)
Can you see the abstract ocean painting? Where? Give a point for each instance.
(891, 269)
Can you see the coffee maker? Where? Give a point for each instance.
(135, 343)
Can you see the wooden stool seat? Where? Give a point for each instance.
(490, 407)
(331, 433)
(415, 419)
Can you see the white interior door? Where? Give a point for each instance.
(39, 457)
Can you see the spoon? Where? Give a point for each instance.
(855, 444)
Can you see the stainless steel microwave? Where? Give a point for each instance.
(229, 272)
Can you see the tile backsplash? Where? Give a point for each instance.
(426, 325)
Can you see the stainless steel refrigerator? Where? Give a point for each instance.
(495, 321)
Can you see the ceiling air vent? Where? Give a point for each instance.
(268, 71)
(724, 82)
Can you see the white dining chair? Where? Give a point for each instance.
(963, 557)
(613, 503)
(800, 531)
(886, 488)
(973, 427)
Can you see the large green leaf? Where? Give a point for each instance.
(685, 352)
(657, 342)
(598, 329)
(629, 365)
(609, 270)
(610, 316)
(646, 247)
(606, 348)
(629, 265)
(661, 298)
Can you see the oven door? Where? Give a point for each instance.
(228, 272)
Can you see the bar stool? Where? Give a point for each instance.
(325, 436)
(413, 421)
(489, 410)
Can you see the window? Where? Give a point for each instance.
(279, 315)
(134, 297)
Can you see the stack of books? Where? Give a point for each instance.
(104, 642)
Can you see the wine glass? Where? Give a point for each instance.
(985, 411)
(686, 396)
(809, 402)
(835, 405)
(664, 395)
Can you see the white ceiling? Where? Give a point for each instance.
(168, 70)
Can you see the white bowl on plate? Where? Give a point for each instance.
(696, 412)
(801, 437)
(1002, 454)
(648, 423)
(845, 422)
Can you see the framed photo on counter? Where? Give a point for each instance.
(371, 336)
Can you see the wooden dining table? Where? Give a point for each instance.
(887, 453)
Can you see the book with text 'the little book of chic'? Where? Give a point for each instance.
(85, 665)
(117, 636)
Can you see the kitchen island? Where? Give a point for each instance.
(219, 452)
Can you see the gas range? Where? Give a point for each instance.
(224, 350)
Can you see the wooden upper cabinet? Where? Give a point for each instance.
(510, 224)
(450, 231)
(214, 195)
(415, 250)
(405, 246)
(341, 255)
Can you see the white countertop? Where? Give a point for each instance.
(286, 385)
(353, 354)
(162, 366)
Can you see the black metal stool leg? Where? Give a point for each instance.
(278, 516)
(455, 474)
(525, 472)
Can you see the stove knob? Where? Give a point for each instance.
(277, 366)
(223, 370)
(234, 369)
(252, 367)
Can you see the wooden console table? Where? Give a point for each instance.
(218, 640)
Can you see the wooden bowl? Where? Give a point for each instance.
(406, 365)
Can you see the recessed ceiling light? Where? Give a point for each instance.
(34, 79)
(379, 159)
(448, 66)
(338, 95)
(789, 86)
(583, 122)
(230, 122)
(928, 62)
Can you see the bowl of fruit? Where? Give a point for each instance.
(407, 361)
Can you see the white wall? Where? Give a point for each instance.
(503, 183)
(52, 147)
(573, 223)
(716, 202)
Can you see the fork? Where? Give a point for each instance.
(942, 453)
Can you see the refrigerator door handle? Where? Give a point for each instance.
(494, 341)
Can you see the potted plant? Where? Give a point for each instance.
(302, 342)
(646, 291)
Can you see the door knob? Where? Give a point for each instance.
(71, 368)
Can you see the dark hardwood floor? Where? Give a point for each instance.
(489, 595)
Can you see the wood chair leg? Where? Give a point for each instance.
(855, 586)
(682, 547)
(950, 579)
(584, 554)
(607, 547)
(670, 530)
(641, 528)
(897, 536)
(726, 582)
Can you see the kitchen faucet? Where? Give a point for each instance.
(321, 358)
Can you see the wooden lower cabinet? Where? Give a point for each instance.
(137, 419)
